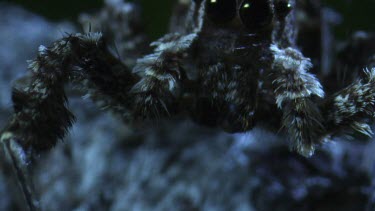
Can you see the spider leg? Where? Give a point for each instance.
(294, 89)
(20, 162)
(40, 114)
(353, 108)
(163, 77)
(41, 117)
(350, 107)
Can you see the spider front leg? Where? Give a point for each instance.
(163, 77)
(41, 117)
(40, 114)
(20, 160)
(294, 89)
(353, 108)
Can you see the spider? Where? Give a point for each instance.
(227, 63)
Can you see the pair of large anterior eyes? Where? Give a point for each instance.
(254, 14)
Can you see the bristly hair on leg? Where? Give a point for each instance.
(353, 108)
(41, 116)
(294, 88)
(156, 94)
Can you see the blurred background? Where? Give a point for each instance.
(358, 15)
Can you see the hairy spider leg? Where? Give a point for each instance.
(353, 108)
(41, 116)
(294, 88)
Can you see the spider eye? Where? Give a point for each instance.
(283, 8)
(256, 14)
(221, 11)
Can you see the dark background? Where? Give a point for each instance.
(357, 14)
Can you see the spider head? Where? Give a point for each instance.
(244, 26)
(233, 52)
(251, 15)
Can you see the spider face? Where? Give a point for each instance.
(253, 14)
(234, 51)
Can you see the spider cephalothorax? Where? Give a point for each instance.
(231, 65)
(232, 54)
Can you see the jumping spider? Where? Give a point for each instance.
(228, 64)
